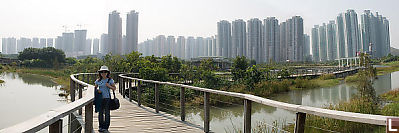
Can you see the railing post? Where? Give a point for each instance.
(88, 78)
(156, 98)
(120, 85)
(123, 87)
(138, 93)
(72, 90)
(247, 115)
(130, 90)
(300, 122)
(80, 88)
(206, 112)
(89, 118)
(72, 95)
(56, 127)
(182, 105)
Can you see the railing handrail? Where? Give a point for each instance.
(44, 120)
(340, 115)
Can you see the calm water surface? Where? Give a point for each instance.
(24, 96)
(227, 119)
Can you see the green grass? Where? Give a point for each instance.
(393, 67)
(322, 81)
(59, 76)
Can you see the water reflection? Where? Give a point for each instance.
(31, 79)
(223, 120)
(24, 96)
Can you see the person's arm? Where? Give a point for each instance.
(96, 86)
(112, 86)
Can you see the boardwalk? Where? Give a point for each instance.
(130, 118)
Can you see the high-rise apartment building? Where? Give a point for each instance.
(132, 31)
(114, 33)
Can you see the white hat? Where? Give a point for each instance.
(104, 68)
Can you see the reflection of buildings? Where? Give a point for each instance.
(296, 98)
(383, 84)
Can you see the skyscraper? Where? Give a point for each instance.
(190, 41)
(104, 44)
(11, 45)
(254, 42)
(79, 44)
(239, 38)
(306, 52)
(87, 50)
(315, 43)
(331, 41)
(181, 42)
(351, 32)
(209, 43)
(170, 45)
(42, 43)
(293, 38)
(4, 46)
(322, 43)
(58, 43)
(96, 45)
(35, 43)
(271, 40)
(224, 38)
(341, 49)
(67, 42)
(50, 42)
(375, 33)
(132, 31)
(115, 33)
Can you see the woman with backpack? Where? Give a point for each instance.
(103, 86)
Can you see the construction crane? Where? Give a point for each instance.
(65, 28)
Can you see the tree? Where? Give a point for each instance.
(240, 64)
(42, 57)
(252, 76)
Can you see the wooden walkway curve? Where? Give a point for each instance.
(131, 118)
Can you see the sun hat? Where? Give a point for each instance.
(104, 68)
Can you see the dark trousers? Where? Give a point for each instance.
(104, 114)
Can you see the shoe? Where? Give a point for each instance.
(101, 130)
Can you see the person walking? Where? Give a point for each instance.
(103, 86)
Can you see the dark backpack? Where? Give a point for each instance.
(114, 103)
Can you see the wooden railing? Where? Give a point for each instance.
(53, 118)
(126, 82)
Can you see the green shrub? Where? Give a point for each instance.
(327, 76)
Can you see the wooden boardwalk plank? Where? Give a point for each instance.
(132, 118)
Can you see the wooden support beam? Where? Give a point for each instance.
(89, 118)
(300, 122)
(80, 90)
(182, 105)
(139, 93)
(72, 90)
(130, 90)
(156, 98)
(206, 112)
(56, 127)
(247, 115)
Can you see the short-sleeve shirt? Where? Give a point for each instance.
(105, 91)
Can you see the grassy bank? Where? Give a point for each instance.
(60, 77)
(392, 67)
(327, 80)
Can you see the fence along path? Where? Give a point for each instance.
(131, 118)
(300, 110)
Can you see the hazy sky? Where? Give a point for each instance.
(45, 18)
